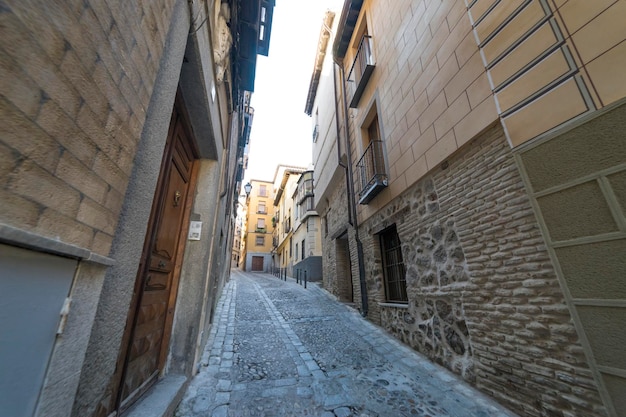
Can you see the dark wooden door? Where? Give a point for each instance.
(257, 263)
(158, 276)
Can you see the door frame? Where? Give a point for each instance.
(179, 113)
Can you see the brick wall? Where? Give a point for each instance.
(77, 80)
(484, 299)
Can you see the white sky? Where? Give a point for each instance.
(281, 131)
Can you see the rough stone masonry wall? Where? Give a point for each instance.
(76, 81)
(484, 299)
(336, 218)
(433, 321)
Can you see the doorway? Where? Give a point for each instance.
(343, 269)
(257, 263)
(156, 285)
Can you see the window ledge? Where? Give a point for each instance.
(33, 241)
(393, 305)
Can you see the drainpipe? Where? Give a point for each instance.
(350, 183)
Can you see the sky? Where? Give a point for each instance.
(281, 131)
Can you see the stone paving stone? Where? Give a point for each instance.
(279, 350)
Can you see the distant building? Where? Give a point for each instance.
(308, 257)
(470, 164)
(237, 238)
(257, 255)
(285, 185)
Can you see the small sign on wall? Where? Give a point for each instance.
(195, 228)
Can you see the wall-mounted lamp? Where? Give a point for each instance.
(247, 188)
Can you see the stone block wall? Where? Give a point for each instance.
(484, 300)
(335, 221)
(77, 80)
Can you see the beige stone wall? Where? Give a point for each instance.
(430, 87)
(484, 299)
(550, 61)
(73, 105)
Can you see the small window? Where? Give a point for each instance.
(302, 249)
(263, 190)
(393, 266)
(260, 241)
(296, 251)
(261, 207)
(316, 127)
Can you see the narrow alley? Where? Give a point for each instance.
(278, 349)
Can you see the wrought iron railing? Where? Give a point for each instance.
(372, 175)
(361, 69)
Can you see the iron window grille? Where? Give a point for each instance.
(393, 266)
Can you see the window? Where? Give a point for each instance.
(302, 249)
(393, 265)
(261, 208)
(260, 225)
(260, 241)
(290, 247)
(372, 176)
(296, 251)
(363, 65)
(262, 190)
(316, 128)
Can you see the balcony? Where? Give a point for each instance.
(361, 69)
(371, 172)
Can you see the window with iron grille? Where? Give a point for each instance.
(260, 241)
(393, 266)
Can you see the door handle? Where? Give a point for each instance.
(162, 264)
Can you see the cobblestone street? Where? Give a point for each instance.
(277, 349)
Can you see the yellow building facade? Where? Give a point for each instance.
(285, 186)
(258, 229)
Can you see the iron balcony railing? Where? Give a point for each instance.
(371, 172)
(361, 69)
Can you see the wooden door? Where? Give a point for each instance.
(158, 275)
(257, 263)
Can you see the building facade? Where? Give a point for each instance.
(257, 253)
(123, 127)
(482, 148)
(283, 243)
(306, 234)
(237, 238)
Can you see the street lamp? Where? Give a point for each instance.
(247, 188)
